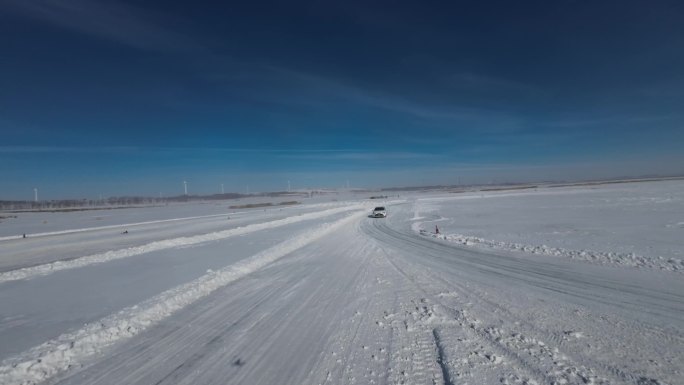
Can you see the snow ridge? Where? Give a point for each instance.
(85, 229)
(71, 349)
(603, 258)
(49, 268)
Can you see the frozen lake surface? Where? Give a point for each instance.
(566, 285)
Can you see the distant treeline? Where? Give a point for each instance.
(267, 204)
(66, 204)
(125, 201)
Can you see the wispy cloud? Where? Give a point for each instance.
(177, 150)
(112, 20)
(315, 157)
(364, 96)
(606, 120)
(490, 84)
(362, 156)
(312, 89)
(62, 149)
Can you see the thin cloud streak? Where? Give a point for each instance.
(608, 120)
(364, 156)
(114, 149)
(490, 83)
(115, 21)
(318, 85)
(57, 149)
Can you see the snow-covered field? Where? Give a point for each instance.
(633, 224)
(567, 285)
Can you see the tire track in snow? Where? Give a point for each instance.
(441, 357)
(49, 268)
(56, 356)
(538, 343)
(547, 363)
(432, 316)
(545, 345)
(499, 350)
(617, 259)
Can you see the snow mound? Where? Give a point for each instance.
(599, 257)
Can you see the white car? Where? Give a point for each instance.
(379, 212)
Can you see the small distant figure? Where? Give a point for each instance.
(125, 232)
(436, 229)
(24, 236)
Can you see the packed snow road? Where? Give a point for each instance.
(559, 320)
(116, 283)
(41, 247)
(346, 299)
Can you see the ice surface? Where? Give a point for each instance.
(48, 268)
(55, 356)
(499, 297)
(634, 224)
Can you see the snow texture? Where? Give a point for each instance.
(628, 225)
(322, 294)
(605, 258)
(52, 267)
(52, 357)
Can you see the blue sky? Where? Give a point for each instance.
(133, 97)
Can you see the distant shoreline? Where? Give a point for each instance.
(160, 202)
